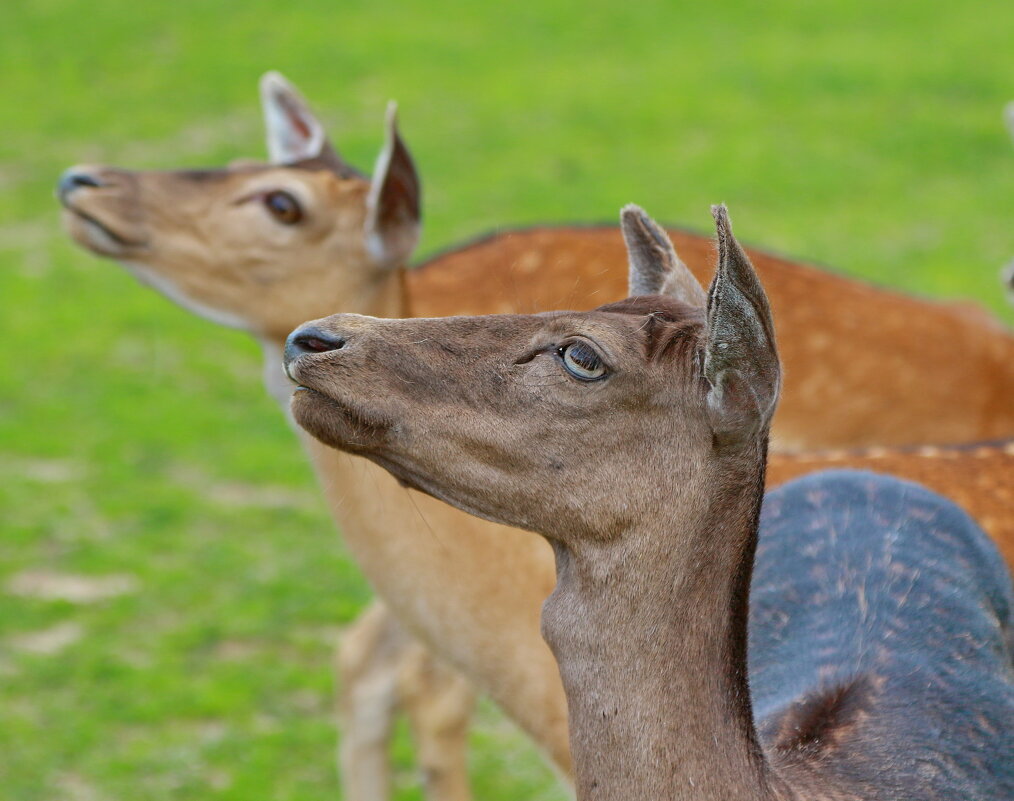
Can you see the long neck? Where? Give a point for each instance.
(650, 635)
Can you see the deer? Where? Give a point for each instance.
(634, 439)
(262, 247)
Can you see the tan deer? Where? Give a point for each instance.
(264, 247)
(634, 439)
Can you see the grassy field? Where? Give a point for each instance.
(170, 583)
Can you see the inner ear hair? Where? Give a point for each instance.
(393, 206)
(740, 356)
(294, 134)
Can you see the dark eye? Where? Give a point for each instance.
(582, 361)
(283, 207)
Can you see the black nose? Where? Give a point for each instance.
(309, 339)
(72, 180)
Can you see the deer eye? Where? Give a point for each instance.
(283, 207)
(582, 361)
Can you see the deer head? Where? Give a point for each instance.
(484, 411)
(224, 242)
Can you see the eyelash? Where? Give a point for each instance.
(574, 366)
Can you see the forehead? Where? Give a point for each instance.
(254, 167)
(198, 179)
(307, 181)
(650, 328)
(639, 321)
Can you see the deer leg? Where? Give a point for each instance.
(383, 670)
(368, 677)
(439, 702)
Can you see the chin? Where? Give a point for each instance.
(334, 424)
(316, 414)
(93, 236)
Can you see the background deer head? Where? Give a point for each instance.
(221, 242)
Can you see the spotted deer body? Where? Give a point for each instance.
(634, 439)
(263, 247)
(838, 332)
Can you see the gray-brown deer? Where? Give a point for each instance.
(265, 247)
(634, 439)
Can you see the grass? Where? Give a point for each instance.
(138, 453)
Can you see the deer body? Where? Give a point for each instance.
(900, 631)
(230, 245)
(634, 439)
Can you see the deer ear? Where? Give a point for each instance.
(740, 358)
(655, 269)
(393, 205)
(294, 132)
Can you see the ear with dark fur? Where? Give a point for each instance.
(655, 269)
(393, 205)
(740, 357)
(294, 132)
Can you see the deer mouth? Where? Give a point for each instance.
(96, 235)
(342, 425)
(347, 427)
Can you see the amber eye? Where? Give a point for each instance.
(283, 207)
(582, 361)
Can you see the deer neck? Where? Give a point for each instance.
(381, 296)
(650, 635)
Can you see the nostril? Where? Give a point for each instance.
(313, 340)
(72, 180)
(313, 344)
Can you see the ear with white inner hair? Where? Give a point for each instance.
(393, 205)
(740, 357)
(294, 132)
(655, 269)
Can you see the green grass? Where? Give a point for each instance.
(135, 440)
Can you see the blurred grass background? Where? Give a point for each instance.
(170, 583)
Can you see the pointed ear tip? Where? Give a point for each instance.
(273, 81)
(632, 213)
(391, 116)
(722, 224)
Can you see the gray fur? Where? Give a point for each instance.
(740, 360)
(655, 269)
